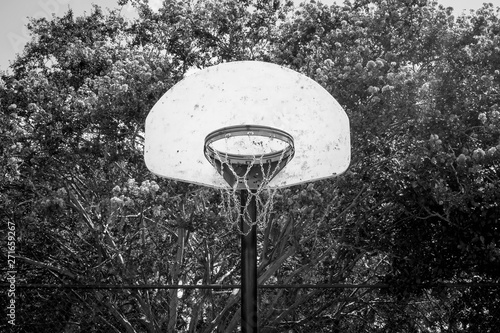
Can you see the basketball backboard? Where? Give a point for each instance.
(258, 94)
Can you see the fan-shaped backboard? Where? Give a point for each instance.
(247, 93)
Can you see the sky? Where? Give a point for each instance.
(14, 17)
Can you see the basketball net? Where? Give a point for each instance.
(251, 171)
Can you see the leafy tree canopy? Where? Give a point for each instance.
(419, 205)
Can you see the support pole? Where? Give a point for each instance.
(248, 264)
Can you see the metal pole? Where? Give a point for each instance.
(248, 264)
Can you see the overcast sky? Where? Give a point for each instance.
(14, 13)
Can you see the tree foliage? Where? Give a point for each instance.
(418, 208)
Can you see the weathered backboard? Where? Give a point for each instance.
(247, 93)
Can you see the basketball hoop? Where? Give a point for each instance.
(254, 157)
(266, 151)
(248, 157)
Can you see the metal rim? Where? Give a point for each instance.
(244, 130)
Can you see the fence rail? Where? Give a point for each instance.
(262, 286)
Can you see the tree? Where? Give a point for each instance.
(417, 209)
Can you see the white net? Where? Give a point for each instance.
(248, 163)
(235, 211)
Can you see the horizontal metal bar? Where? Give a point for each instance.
(237, 286)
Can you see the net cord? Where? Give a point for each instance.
(232, 206)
